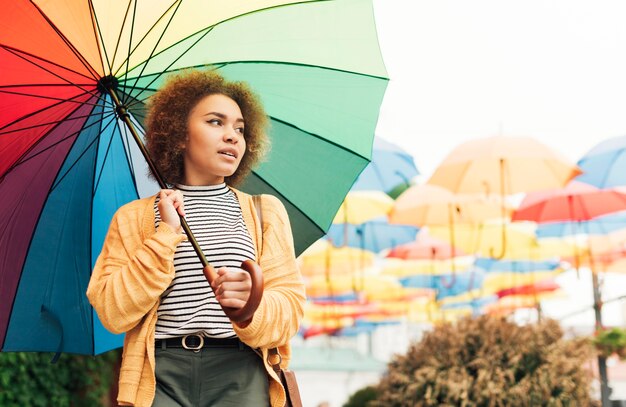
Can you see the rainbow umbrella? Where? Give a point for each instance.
(76, 76)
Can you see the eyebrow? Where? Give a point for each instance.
(222, 116)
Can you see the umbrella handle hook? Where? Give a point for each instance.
(244, 314)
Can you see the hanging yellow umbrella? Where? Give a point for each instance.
(485, 239)
(405, 268)
(322, 258)
(362, 206)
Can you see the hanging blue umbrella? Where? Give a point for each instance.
(375, 235)
(604, 166)
(515, 266)
(599, 226)
(390, 166)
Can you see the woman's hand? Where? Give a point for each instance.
(171, 204)
(232, 287)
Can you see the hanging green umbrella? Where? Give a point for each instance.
(75, 76)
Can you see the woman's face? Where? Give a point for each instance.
(215, 141)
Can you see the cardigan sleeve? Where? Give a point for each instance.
(130, 274)
(281, 309)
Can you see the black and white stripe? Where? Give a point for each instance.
(189, 305)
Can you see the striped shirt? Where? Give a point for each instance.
(189, 305)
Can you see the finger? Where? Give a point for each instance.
(233, 287)
(221, 273)
(232, 303)
(233, 295)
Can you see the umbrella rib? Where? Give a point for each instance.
(155, 45)
(71, 47)
(20, 162)
(289, 201)
(220, 65)
(97, 183)
(25, 153)
(59, 180)
(26, 116)
(18, 53)
(39, 125)
(119, 38)
(221, 22)
(129, 157)
(319, 137)
(174, 61)
(33, 95)
(95, 28)
(99, 35)
(130, 38)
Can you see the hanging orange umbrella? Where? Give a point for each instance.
(505, 165)
(424, 205)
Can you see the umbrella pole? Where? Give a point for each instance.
(256, 291)
(597, 308)
(503, 213)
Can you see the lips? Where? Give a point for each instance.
(231, 152)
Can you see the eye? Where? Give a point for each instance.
(216, 122)
(240, 130)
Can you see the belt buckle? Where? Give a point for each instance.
(195, 349)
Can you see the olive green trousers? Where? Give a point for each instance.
(210, 377)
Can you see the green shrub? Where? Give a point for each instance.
(361, 397)
(610, 341)
(29, 379)
(488, 361)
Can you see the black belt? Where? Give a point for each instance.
(197, 342)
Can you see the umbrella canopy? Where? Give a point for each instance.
(576, 202)
(605, 164)
(391, 166)
(503, 165)
(70, 68)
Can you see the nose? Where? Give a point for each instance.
(230, 136)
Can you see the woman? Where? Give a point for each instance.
(204, 134)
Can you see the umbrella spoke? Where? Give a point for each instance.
(156, 77)
(61, 140)
(31, 59)
(154, 48)
(86, 149)
(5, 129)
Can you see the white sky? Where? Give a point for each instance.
(550, 69)
(553, 70)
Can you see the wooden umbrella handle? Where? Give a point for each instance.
(245, 313)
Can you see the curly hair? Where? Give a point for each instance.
(168, 112)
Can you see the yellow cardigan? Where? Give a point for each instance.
(136, 266)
